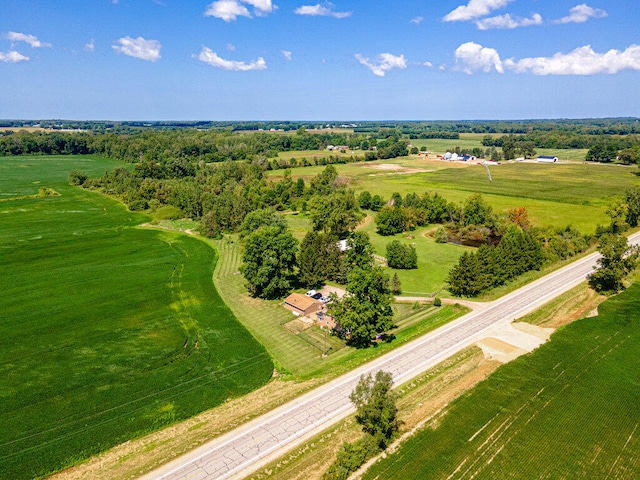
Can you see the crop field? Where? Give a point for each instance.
(107, 331)
(568, 410)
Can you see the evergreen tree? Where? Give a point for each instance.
(396, 286)
(311, 260)
(463, 277)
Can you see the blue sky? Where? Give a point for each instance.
(298, 60)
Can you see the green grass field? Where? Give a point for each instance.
(107, 331)
(569, 410)
(554, 194)
(434, 260)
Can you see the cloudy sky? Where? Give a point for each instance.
(340, 60)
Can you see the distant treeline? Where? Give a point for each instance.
(598, 126)
(207, 146)
(210, 142)
(560, 139)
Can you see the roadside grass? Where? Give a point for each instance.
(107, 331)
(568, 410)
(579, 302)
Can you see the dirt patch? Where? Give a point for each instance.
(535, 330)
(297, 326)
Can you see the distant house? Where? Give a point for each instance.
(301, 304)
(547, 159)
(468, 158)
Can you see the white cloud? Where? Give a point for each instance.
(507, 21)
(139, 48)
(262, 7)
(229, 10)
(471, 57)
(12, 57)
(320, 11)
(91, 46)
(581, 61)
(582, 13)
(416, 20)
(474, 9)
(286, 54)
(231, 47)
(428, 64)
(386, 62)
(212, 58)
(23, 37)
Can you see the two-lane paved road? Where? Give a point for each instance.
(247, 448)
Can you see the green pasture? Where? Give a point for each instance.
(442, 145)
(434, 260)
(568, 410)
(554, 194)
(107, 331)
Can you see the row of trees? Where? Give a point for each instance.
(195, 145)
(490, 266)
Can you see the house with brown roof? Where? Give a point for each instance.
(301, 304)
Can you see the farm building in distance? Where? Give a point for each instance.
(301, 304)
(547, 159)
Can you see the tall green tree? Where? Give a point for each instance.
(311, 260)
(390, 220)
(618, 260)
(264, 217)
(632, 199)
(463, 277)
(365, 311)
(477, 211)
(268, 262)
(337, 213)
(401, 256)
(359, 250)
(376, 407)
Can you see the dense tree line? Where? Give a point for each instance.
(602, 147)
(192, 144)
(490, 266)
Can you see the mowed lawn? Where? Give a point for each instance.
(107, 331)
(434, 259)
(569, 410)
